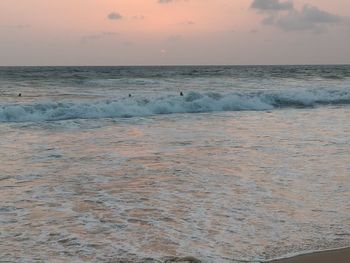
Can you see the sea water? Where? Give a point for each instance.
(251, 164)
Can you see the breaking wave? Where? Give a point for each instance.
(193, 102)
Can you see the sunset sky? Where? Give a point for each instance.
(168, 32)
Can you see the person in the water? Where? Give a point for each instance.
(19, 94)
(129, 95)
(181, 94)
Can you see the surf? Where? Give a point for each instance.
(192, 102)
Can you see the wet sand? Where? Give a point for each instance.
(331, 256)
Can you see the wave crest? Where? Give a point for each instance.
(193, 102)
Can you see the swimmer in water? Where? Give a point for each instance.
(19, 94)
(181, 94)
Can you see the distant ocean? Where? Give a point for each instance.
(100, 164)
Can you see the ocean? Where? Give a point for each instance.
(109, 164)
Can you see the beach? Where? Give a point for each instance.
(338, 256)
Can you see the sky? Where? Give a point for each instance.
(174, 32)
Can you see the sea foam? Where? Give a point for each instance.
(192, 102)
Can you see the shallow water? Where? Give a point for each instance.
(221, 186)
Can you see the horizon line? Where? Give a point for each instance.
(181, 65)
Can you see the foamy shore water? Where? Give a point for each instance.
(92, 192)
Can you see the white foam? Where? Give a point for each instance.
(191, 103)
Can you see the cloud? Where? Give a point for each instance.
(310, 17)
(315, 15)
(284, 16)
(270, 5)
(269, 20)
(98, 36)
(114, 16)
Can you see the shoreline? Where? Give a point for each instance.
(341, 255)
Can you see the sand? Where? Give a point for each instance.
(332, 256)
